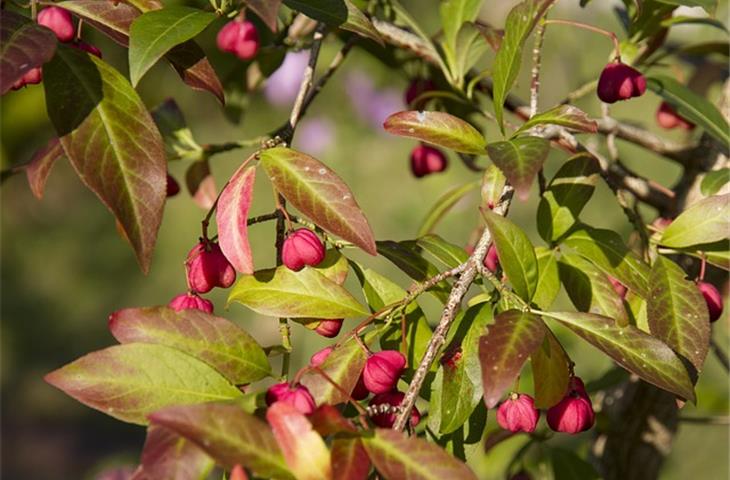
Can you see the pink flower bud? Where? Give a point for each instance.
(667, 117)
(58, 20)
(382, 371)
(713, 299)
(239, 38)
(302, 247)
(518, 413)
(491, 259)
(415, 89)
(426, 160)
(207, 267)
(173, 188)
(619, 287)
(574, 413)
(188, 301)
(329, 328)
(238, 473)
(297, 396)
(319, 357)
(619, 81)
(360, 392)
(87, 47)
(384, 404)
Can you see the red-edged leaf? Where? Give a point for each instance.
(229, 435)
(505, 349)
(190, 62)
(40, 166)
(304, 450)
(112, 18)
(317, 191)
(201, 184)
(343, 365)
(400, 457)
(232, 216)
(550, 371)
(520, 159)
(349, 459)
(438, 128)
(111, 140)
(267, 10)
(217, 341)
(25, 46)
(167, 455)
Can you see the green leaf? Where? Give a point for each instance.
(564, 199)
(155, 33)
(454, 13)
(179, 141)
(111, 141)
(646, 356)
(569, 466)
(505, 349)
(606, 250)
(317, 191)
(470, 47)
(516, 254)
(447, 253)
(550, 371)
(25, 46)
(685, 20)
(167, 455)
(520, 22)
(216, 341)
(405, 255)
(307, 293)
(710, 6)
(713, 181)
(590, 290)
(229, 435)
(442, 206)
(343, 365)
(337, 13)
(493, 183)
(397, 456)
(437, 128)
(548, 281)
(691, 106)
(130, 381)
(706, 221)
(677, 312)
(564, 115)
(520, 159)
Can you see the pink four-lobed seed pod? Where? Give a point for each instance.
(619, 81)
(393, 399)
(382, 371)
(302, 247)
(329, 328)
(618, 287)
(574, 413)
(33, 76)
(667, 117)
(240, 38)
(59, 21)
(713, 299)
(207, 268)
(297, 396)
(518, 413)
(191, 301)
(491, 259)
(426, 160)
(416, 88)
(173, 188)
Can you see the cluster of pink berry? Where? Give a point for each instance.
(60, 22)
(573, 414)
(425, 159)
(240, 38)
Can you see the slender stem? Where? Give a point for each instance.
(535, 88)
(721, 356)
(592, 28)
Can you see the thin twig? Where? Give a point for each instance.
(720, 355)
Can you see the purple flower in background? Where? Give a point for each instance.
(314, 135)
(283, 85)
(372, 105)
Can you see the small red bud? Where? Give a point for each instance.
(319, 357)
(619, 287)
(667, 117)
(491, 259)
(58, 20)
(426, 160)
(386, 420)
(297, 396)
(329, 328)
(619, 81)
(188, 301)
(239, 38)
(712, 298)
(87, 47)
(360, 392)
(238, 473)
(574, 413)
(661, 223)
(415, 89)
(302, 247)
(518, 413)
(173, 188)
(207, 267)
(382, 370)
(31, 77)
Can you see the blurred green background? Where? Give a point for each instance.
(65, 269)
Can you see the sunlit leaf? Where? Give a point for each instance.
(520, 159)
(447, 253)
(706, 221)
(493, 183)
(25, 46)
(39, 167)
(343, 366)
(566, 116)
(548, 280)
(713, 181)
(550, 371)
(167, 455)
(231, 216)
(437, 128)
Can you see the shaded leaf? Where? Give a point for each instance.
(167, 455)
(713, 181)
(215, 340)
(317, 191)
(343, 365)
(130, 381)
(400, 457)
(25, 45)
(111, 141)
(304, 450)
(231, 216)
(564, 115)
(201, 184)
(179, 140)
(677, 312)
(520, 159)
(442, 206)
(437, 128)
(646, 356)
(550, 371)
(39, 167)
(710, 6)
(267, 10)
(505, 349)
(338, 13)
(229, 435)
(548, 280)
(334, 266)
(447, 253)
(349, 459)
(405, 256)
(567, 465)
(706, 221)
(110, 17)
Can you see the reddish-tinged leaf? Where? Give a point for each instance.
(677, 312)
(520, 159)
(550, 371)
(168, 455)
(304, 450)
(110, 139)
(24, 45)
(217, 341)
(317, 191)
(564, 115)
(349, 459)
(130, 381)
(229, 435)
(267, 10)
(509, 341)
(640, 353)
(39, 167)
(112, 18)
(343, 365)
(201, 184)
(327, 420)
(190, 62)
(437, 128)
(400, 457)
(232, 216)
